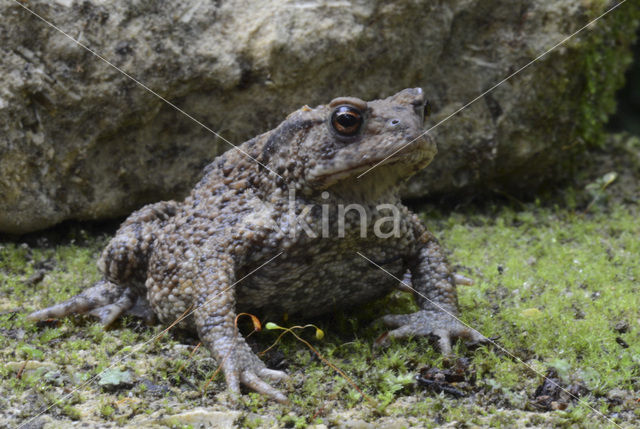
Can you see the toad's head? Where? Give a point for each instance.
(352, 144)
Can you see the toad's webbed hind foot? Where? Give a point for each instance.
(104, 300)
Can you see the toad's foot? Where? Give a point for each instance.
(241, 366)
(430, 322)
(104, 300)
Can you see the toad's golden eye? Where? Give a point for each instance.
(346, 120)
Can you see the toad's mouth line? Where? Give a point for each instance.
(330, 176)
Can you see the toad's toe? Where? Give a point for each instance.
(395, 320)
(254, 382)
(273, 375)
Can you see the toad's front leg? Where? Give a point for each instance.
(215, 318)
(434, 289)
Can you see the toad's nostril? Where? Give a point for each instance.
(427, 109)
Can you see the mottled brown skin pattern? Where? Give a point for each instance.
(170, 257)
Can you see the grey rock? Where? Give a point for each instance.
(202, 418)
(112, 378)
(79, 140)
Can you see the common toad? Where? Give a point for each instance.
(281, 225)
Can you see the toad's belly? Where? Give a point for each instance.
(309, 285)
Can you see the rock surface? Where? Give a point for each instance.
(82, 141)
(202, 418)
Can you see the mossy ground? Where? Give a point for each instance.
(556, 279)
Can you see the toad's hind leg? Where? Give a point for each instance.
(104, 300)
(126, 257)
(124, 264)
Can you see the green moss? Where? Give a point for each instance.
(107, 411)
(71, 412)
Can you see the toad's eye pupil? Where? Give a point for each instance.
(346, 120)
